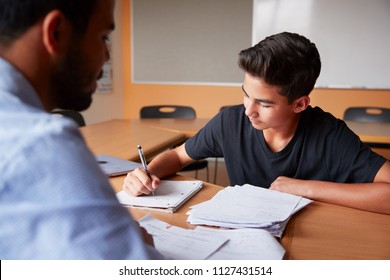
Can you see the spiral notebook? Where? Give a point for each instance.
(168, 197)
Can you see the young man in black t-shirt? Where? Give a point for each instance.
(277, 140)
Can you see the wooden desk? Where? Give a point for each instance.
(188, 127)
(120, 138)
(326, 231)
(371, 132)
(319, 231)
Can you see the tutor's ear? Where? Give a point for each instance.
(56, 32)
(301, 103)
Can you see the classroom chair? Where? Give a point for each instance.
(176, 112)
(369, 114)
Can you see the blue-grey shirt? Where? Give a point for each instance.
(55, 202)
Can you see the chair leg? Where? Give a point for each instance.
(207, 174)
(215, 170)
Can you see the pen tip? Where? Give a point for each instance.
(139, 146)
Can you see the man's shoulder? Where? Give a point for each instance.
(26, 131)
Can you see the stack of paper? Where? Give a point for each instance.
(248, 206)
(201, 243)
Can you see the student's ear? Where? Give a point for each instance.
(301, 103)
(56, 33)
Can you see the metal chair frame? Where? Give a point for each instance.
(175, 112)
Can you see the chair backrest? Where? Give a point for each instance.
(367, 114)
(167, 111)
(74, 115)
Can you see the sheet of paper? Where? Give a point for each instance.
(245, 244)
(180, 244)
(249, 204)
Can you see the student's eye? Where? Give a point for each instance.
(265, 106)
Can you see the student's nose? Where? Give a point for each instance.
(250, 108)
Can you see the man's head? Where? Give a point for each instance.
(286, 60)
(71, 37)
(16, 16)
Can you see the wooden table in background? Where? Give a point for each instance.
(120, 138)
(371, 132)
(188, 127)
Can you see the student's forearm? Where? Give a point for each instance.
(165, 164)
(373, 197)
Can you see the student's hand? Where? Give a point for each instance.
(137, 182)
(289, 185)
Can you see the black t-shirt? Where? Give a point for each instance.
(323, 148)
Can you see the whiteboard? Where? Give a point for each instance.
(352, 36)
(189, 41)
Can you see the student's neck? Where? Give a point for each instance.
(278, 138)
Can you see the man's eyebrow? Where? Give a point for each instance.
(111, 26)
(266, 101)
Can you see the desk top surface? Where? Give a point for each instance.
(188, 127)
(120, 138)
(319, 231)
(371, 132)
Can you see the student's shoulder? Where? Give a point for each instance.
(319, 117)
(233, 109)
(232, 115)
(325, 124)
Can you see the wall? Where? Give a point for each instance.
(208, 99)
(127, 98)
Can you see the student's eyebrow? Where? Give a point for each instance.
(266, 101)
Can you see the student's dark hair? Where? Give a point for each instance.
(16, 16)
(286, 60)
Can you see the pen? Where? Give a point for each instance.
(143, 160)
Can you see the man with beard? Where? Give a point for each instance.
(55, 203)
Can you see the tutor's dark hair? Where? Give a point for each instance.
(16, 16)
(286, 60)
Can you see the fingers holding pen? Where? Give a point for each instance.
(138, 182)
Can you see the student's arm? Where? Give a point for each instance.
(374, 197)
(168, 163)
